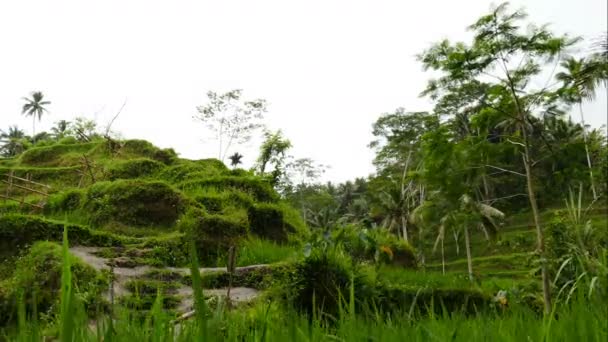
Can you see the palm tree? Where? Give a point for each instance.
(11, 141)
(577, 87)
(35, 107)
(462, 215)
(61, 129)
(235, 159)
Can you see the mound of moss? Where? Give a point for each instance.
(134, 168)
(18, 231)
(260, 189)
(38, 277)
(133, 202)
(267, 221)
(141, 148)
(56, 155)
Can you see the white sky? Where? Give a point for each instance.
(327, 68)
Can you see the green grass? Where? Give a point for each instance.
(256, 251)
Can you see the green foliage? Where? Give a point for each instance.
(40, 272)
(142, 148)
(133, 202)
(18, 231)
(257, 187)
(56, 155)
(266, 221)
(375, 245)
(133, 168)
(67, 200)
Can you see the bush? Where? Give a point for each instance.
(134, 202)
(40, 271)
(134, 168)
(266, 221)
(322, 282)
(375, 245)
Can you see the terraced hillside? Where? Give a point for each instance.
(131, 210)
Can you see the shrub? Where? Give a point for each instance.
(322, 281)
(40, 271)
(375, 245)
(134, 202)
(134, 168)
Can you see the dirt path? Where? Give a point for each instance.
(124, 274)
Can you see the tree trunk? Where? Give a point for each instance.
(33, 127)
(531, 195)
(580, 108)
(539, 230)
(404, 228)
(467, 243)
(442, 258)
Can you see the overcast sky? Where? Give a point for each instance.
(327, 68)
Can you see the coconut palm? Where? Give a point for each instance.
(61, 129)
(235, 159)
(35, 107)
(458, 216)
(578, 87)
(11, 141)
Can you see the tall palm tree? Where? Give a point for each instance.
(34, 106)
(235, 159)
(578, 87)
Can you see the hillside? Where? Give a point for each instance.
(134, 207)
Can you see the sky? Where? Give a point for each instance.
(328, 69)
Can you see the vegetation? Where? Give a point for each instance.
(483, 220)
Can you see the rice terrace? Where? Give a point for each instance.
(485, 217)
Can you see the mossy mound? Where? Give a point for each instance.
(267, 221)
(133, 202)
(140, 148)
(260, 189)
(38, 275)
(134, 168)
(56, 155)
(18, 231)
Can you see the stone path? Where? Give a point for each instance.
(124, 274)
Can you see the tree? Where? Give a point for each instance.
(577, 87)
(495, 73)
(13, 142)
(61, 129)
(34, 106)
(231, 118)
(273, 151)
(235, 159)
